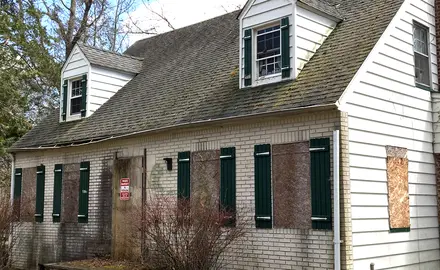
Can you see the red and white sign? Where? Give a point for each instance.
(124, 193)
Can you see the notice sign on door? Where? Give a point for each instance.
(124, 192)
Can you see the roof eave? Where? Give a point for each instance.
(311, 108)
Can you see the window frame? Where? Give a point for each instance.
(255, 62)
(69, 96)
(418, 84)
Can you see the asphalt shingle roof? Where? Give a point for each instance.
(190, 75)
(112, 60)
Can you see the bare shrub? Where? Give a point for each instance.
(186, 236)
(8, 223)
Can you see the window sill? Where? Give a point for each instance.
(397, 230)
(424, 87)
(267, 79)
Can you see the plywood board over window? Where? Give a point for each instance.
(398, 196)
(205, 177)
(69, 212)
(291, 185)
(29, 186)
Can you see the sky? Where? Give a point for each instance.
(180, 13)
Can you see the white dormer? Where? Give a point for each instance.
(278, 37)
(90, 77)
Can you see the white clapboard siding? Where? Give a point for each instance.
(385, 108)
(266, 11)
(104, 83)
(260, 13)
(76, 65)
(311, 31)
(308, 31)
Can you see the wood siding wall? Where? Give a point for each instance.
(385, 108)
(311, 31)
(104, 83)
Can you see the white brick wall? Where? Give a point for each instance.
(271, 249)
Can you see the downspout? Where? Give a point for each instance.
(143, 202)
(336, 210)
(12, 178)
(11, 232)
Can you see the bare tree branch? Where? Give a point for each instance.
(161, 15)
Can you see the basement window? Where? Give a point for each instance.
(75, 97)
(421, 56)
(269, 51)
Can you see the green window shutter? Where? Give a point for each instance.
(285, 48)
(17, 183)
(57, 187)
(84, 177)
(64, 113)
(84, 96)
(183, 175)
(247, 39)
(263, 187)
(18, 176)
(39, 206)
(320, 183)
(227, 183)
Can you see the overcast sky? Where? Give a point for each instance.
(180, 13)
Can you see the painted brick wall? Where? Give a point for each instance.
(271, 249)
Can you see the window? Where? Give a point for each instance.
(421, 55)
(269, 51)
(75, 97)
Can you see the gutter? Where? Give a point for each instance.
(191, 124)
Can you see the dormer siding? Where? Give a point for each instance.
(89, 84)
(104, 83)
(307, 30)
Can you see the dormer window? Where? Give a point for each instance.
(266, 53)
(269, 50)
(74, 104)
(75, 97)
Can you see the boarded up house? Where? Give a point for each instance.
(252, 100)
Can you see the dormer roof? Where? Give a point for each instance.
(328, 7)
(111, 60)
(191, 78)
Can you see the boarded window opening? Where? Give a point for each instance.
(28, 196)
(291, 184)
(69, 205)
(205, 177)
(398, 195)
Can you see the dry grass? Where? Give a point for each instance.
(102, 263)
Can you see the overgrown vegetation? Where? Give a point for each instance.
(185, 236)
(8, 223)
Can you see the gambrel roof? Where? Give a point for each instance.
(190, 75)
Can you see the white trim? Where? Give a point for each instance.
(69, 116)
(341, 102)
(69, 78)
(428, 47)
(245, 10)
(270, 78)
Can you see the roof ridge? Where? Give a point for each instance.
(187, 26)
(108, 51)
